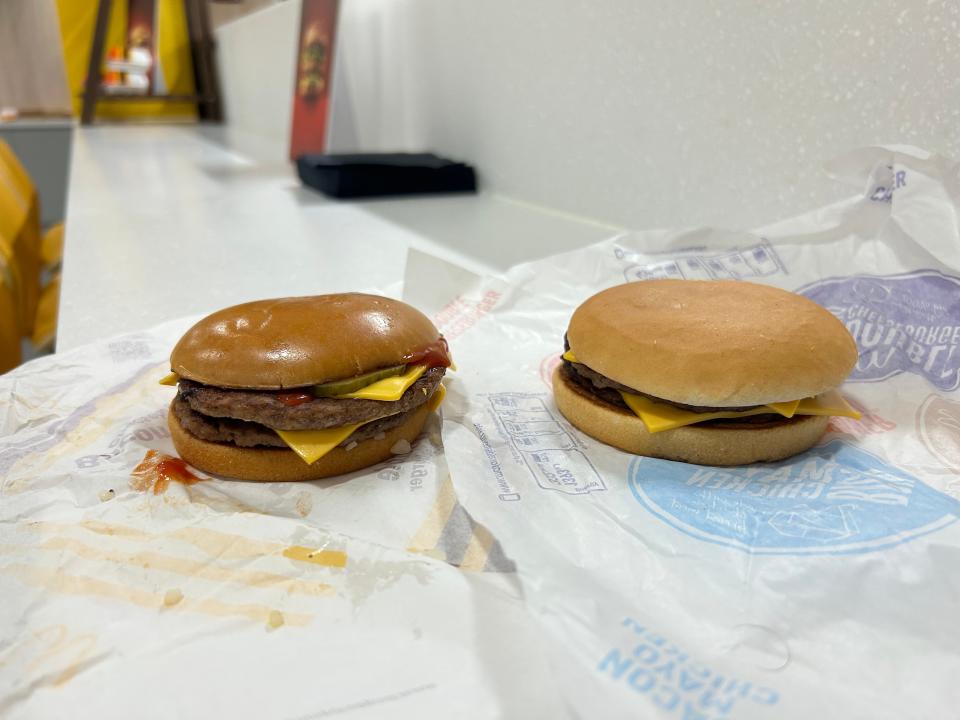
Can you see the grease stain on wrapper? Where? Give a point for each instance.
(317, 556)
(275, 620)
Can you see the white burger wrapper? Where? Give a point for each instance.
(515, 567)
(374, 594)
(827, 585)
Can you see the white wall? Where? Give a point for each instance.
(648, 113)
(638, 113)
(222, 13)
(256, 56)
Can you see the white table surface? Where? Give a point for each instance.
(168, 221)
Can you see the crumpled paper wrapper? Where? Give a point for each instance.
(510, 566)
(374, 594)
(823, 586)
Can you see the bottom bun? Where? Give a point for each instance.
(278, 464)
(700, 444)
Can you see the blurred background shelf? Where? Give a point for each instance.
(202, 56)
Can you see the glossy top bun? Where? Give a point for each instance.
(298, 341)
(712, 343)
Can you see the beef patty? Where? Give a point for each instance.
(608, 391)
(251, 434)
(264, 408)
(601, 382)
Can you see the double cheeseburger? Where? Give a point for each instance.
(708, 372)
(304, 388)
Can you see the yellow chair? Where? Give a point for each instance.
(23, 246)
(51, 247)
(51, 250)
(9, 316)
(16, 169)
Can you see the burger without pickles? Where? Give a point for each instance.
(710, 372)
(304, 388)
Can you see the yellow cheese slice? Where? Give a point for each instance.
(311, 445)
(388, 389)
(658, 417)
(434, 402)
(787, 409)
(828, 403)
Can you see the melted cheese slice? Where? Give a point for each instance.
(389, 389)
(311, 445)
(787, 409)
(658, 417)
(828, 403)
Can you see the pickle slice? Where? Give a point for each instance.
(349, 385)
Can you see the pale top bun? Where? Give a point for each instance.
(269, 464)
(728, 444)
(299, 341)
(722, 343)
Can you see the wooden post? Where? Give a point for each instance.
(212, 89)
(92, 86)
(201, 47)
(207, 95)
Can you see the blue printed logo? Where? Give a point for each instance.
(835, 498)
(902, 323)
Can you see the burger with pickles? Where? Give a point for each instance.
(304, 388)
